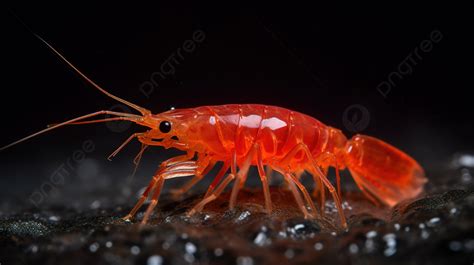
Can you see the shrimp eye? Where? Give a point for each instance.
(165, 126)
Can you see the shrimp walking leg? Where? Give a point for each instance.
(152, 183)
(204, 165)
(329, 186)
(333, 159)
(154, 199)
(218, 178)
(303, 190)
(319, 192)
(241, 176)
(264, 179)
(298, 198)
(333, 192)
(178, 171)
(296, 194)
(314, 169)
(211, 197)
(142, 199)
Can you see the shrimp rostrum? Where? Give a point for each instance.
(268, 137)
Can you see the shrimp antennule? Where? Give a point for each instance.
(143, 111)
(79, 120)
(125, 116)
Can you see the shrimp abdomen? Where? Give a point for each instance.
(383, 170)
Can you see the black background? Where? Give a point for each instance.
(318, 59)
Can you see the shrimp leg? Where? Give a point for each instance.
(316, 170)
(328, 155)
(298, 198)
(178, 171)
(292, 180)
(241, 176)
(219, 189)
(218, 177)
(204, 166)
(152, 183)
(263, 178)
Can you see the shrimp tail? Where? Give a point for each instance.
(382, 170)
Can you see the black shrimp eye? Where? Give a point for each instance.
(165, 126)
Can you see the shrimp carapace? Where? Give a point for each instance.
(268, 137)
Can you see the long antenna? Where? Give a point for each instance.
(125, 116)
(143, 111)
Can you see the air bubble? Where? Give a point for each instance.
(353, 248)
(218, 252)
(155, 260)
(244, 260)
(135, 250)
(318, 246)
(94, 247)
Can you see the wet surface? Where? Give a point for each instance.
(436, 228)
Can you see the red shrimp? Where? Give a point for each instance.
(245, 135)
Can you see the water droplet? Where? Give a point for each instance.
(390, 240)
(455, 246)
(299, 226)
(189, 258)
(389, 252)
(369, 245)
(282, 234)
(397, 226)
(318, 246)
(299, 229)
(261, 239)
(34, 248)
(190, 248)
(289, 253)
(135, 250)
(466, 176)
(155, 260)
(243, 215)
(346, 206)
(95, 205)
(371, 234)
(94, 247)
(425, 234)
(453, 211)
(54, 218)
(218, 252)
(244, 260)
(166, 245)
(463, 160)
(469, 245)
(433, 221)
(353, 248)
(108, 244)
